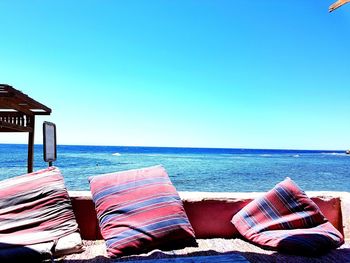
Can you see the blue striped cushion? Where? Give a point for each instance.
(139, 210)
(35, 208)
(286, 219)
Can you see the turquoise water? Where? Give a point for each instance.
(193, 169)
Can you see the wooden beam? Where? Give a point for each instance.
(4, 94)
(7, 130)
(41, 113)
(11, 113)
(12, 105)
(14, 127)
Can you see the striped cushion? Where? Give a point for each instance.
(139, 210)
(285, 219)
(35, 208)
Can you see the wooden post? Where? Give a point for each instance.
(31, 120)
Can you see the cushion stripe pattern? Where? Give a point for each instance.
(287, 220)
(139, 210)
(35, 208)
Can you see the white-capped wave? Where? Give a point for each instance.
(336, 154)
(238, 157)
(116, 154)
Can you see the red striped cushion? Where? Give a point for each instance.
(285, 219)
(139, 210)
(35, 208)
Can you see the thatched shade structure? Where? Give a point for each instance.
(17, 114)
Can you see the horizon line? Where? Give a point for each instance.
(184, 147)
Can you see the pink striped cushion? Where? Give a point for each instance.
(285, 219)
(139, 210)
(35, 208)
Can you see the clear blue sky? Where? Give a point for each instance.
(242, 74)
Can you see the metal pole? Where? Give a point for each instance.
(30, 161)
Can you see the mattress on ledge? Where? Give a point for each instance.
(95, 252)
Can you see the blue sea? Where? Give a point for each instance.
(192, 169)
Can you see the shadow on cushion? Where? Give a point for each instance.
(305, 244)
(29, 254)
(338, 255)
(309, 241)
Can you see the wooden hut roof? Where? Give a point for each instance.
(17, 114)
(16, 110)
